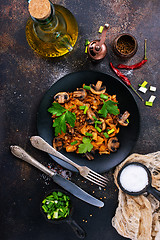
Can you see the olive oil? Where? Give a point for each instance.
(54, 38)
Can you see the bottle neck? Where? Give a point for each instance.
(52, 18)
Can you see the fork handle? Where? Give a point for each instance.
(41, 144)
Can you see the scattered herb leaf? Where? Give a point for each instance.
(86, 146)
(63, 116)
(109, 107)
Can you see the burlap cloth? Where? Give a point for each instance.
(138, 218)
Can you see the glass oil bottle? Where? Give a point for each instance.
(54, 34)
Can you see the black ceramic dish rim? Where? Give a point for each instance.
(60, 220)
(144, 189)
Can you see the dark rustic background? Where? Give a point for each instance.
(25, 77)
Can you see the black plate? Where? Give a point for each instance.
(127, 135)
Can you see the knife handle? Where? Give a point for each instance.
(41, 144)
(20, 153)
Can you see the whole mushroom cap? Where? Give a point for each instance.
(98, 88)
(61, 97)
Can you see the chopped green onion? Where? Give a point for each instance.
(89, 134)
(87, 42)
(103, 96)
(86, 49)
(85, 110)
(48, 216)
(149, 103)
(98, 129)
(106, 135)
(82, 107)
(98, 122)
(127, 120)
(111, 131)
(56, 205)
(94, 118)
(87, 87)
(73, 143)
(100, 29)
(144, 84)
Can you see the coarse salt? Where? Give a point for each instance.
(134, 178)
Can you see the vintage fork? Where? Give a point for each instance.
(86, 172)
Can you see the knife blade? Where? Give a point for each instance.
(64, 183)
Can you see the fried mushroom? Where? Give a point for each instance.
(122, 119)
(61, 97)
(98, 88)
(80, 93)
(113, 144)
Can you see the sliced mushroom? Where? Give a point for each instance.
(103, 125)
(57, 143)
(80, 93)
(98, 88)
(61, 97)
(70, 129)
(122, 119)
(113, 144)
(90, 114)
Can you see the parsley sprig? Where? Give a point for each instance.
(63, 116)
(109, 107)
(86, 146)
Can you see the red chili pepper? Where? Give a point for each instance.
(137, 65)
(120, 75)
(124, 79)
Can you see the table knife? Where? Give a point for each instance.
(64, 183)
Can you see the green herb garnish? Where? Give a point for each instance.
(73, 143)
(86, 146)
(94, 118)
(109, 107)
(63, 116)
(85, 108)
(87, 87)
(97, 128)
(56, 205)
(87, 42)
(103, 96)
(110, 131)
(82, 107)
(106, 135)
(89, 134)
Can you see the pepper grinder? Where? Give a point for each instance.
(97, 49)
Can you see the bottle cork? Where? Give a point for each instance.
(39, 9)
